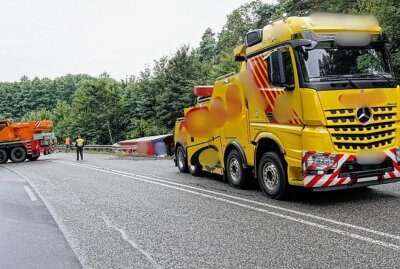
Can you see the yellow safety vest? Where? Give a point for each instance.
(79, 142)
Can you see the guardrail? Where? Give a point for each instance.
(105, 148)
(110, 149)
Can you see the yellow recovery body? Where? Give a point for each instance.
(314, 105)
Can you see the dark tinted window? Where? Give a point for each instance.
(274, 70)
(288, 67)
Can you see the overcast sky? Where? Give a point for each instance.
(49, 38)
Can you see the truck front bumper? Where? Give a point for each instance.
(355, 185)
(347, 173)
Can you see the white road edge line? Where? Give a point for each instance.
(168, 181)
(309, 223)
(30, 193)
(130, 241)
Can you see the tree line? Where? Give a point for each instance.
(105, 110)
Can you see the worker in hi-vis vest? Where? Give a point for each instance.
(79, 147)
(67, 144)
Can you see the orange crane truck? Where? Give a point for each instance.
(26, 140)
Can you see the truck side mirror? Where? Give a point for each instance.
(254, 37)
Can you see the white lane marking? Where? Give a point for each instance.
(168, 181)
(131, 242)
(30, 193)
(287, 217)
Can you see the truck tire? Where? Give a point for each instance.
(33, 158)
(18, 154)
(237, 176)
(195, 170)
(3, 156)
(272, 176)
(181, 160)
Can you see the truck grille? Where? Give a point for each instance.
(348, 134)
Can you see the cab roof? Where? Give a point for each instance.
(319, 23)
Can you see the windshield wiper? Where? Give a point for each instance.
(338, 77)
(350, 81)
(379, 75)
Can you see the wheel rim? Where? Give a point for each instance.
(270, 176)
(234, 169)
(18, 154)
(180, 159)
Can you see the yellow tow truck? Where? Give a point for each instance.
(315, 105)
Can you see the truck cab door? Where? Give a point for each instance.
(285, 105)
(284, 111)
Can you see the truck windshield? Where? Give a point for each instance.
(329, 62)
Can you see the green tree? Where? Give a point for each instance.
(98, 111)
(253, 15)
(24, 96)
(388, 14)
(208, 45)
(42, 114)
(140, 97)
(141, 128)
(176, 82)
(306, 7)
(63, 121)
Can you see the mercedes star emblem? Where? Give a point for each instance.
(364, 114)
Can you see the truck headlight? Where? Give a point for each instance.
(398, 154)
(321, 161)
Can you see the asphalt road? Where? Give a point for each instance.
(29, 236)
(142, 213)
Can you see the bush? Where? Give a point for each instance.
(141, 128)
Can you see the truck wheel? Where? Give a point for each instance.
(18, 155)
(237, 176)
(3, 156)
(272, 176)
(181, 160)
(195, 170)
(33, 158)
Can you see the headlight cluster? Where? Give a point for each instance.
(320, 161)
(398, 154)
